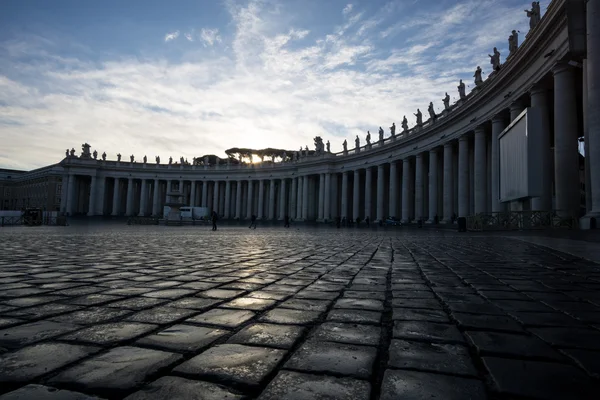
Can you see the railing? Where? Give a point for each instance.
(519, 220)
(142, 221)
(33, 221)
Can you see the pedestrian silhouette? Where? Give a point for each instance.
(253, 222)
(214, 220)
(286, 221)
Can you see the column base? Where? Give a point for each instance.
(90, 214)
(405, 221)
(589, 221)
(446, 222)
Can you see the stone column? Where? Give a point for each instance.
(261, 199)
(586, 148)
(368, 191)
(566, 162)
(321, 207)
(419, 187)
(155, 210)
(393, 207)
(238, 200)
(327, 200)
(216, 197)
(480, 181)
(167, 189)
(227, 212)
(272, 200)
(129, 204)
(63, 194)
(592, 124)
(448, 194)
(463, 176)
(250, 201)
(93, 193)
(193, 193)
(204, 193)
(406, 176)
(100, 198)
(143, 197)
(305, 199)
(498, 125)
(293, 198)
(380, 192)
(70, 195)
(116, 200)
(516, 108)
(344, 195)
(282, 202)
(356, 196)
(299, 199)
(539, 101)
(433, 185)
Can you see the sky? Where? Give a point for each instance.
(194, 77)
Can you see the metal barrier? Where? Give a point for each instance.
(519, 220)
(142, 221)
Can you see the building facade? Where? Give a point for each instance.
(446, 166)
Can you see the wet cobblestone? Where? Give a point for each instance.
(116, 312)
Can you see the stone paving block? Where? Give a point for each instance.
(413, 294)
(6, 322)
(589, 360)
(221, 293)
(337, 358)
(46, 311)
(487, 322)
(249, 303)
(228, 318)
(359, 304)
(92, 315)
(176, 388)
(357, 294)
(289, 316)
(271, 335)
(434, 357)
(264, 294)
(517, 305)
(529, 318)
(182, 338)
(470, 308)
(161, 315)
(306, 304)
(316, 295)
(31, 301)
(120, 369)
(136, 303)
(21, 335)
(415, 385)
(93, 299)
(199, 285)
(427, 331)
(412, 314)
(33, 361)
(367, 288)
(299, 386)
(245, 365)
(511, 345)
(540, 380)
(128, 291)
(169, 293)
(572, 337)
(355, 316)
(348, 333)
(110, 333)
(40, 392)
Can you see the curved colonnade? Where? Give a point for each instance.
(445, 168)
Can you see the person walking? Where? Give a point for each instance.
(286, 221)
(253, 222)
(214, 220)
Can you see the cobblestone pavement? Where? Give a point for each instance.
(185, 313)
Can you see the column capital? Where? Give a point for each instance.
(463, 138)
(479, 130)
(516, 105)
(496, 119)
(433, 151)
(418, 156)
(561, 67)
(536, 89)
(448, 145)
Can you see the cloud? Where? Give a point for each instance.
(189, 37)
(210, 36)
(348, 9)
(171, 36)
(268, 85)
